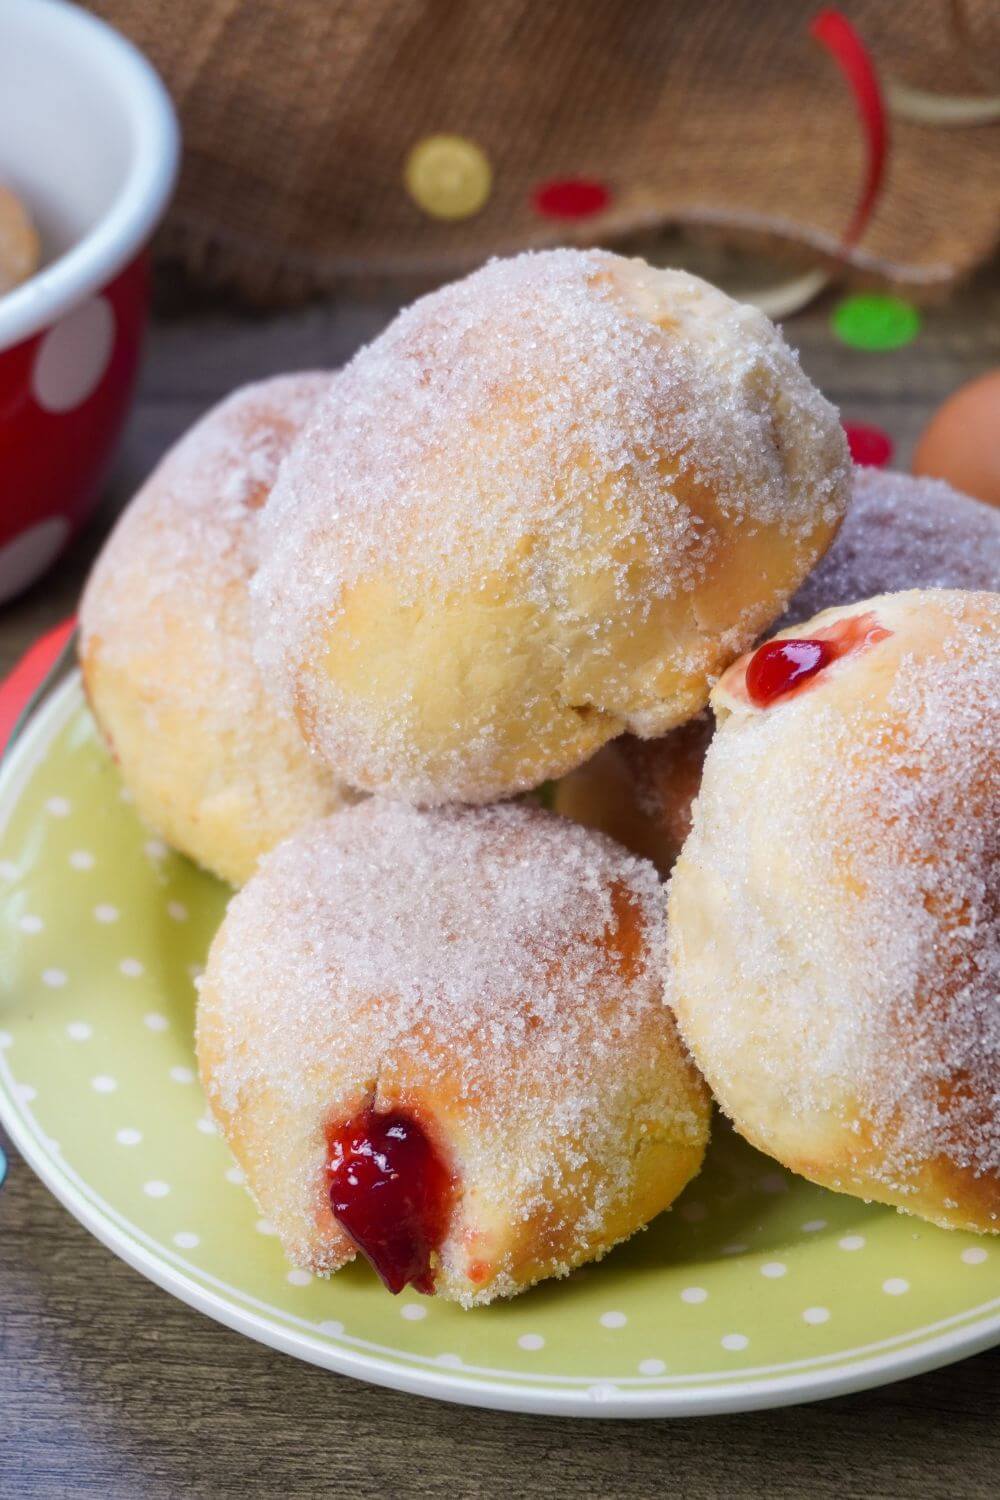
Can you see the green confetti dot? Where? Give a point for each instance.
(873, 321)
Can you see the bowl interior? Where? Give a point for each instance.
(66, 134)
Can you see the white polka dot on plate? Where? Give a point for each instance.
(105, 913)
(155, 1021)
(128, 1137)
(895, 1286)
(450, 1361)
(79, 1031)
(412, 1312)
(59, 807)
(124, 795)
(694, 1295)
(813, 1226)
(734, 1341)
(182, 1075)
(82, 859)
(156, 849)
(816, 1315)
(132, 969)
(299, 1277)
(6, 1040)
(236, 1176)
(156, 1188)
(531, 1341)
(103, 1084)
(73, 356)
(27, 1093)
(975, 1255)
(651, 1367)
(8, 870)
(613, 1320)
(185, 1240)
(264, 1226)
(30, 923)
(177, 911)
(331, 1327)
(852, 1242)
(54, 979)
(772, 1269)
(207, 1125)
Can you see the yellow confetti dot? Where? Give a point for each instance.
(448, 176)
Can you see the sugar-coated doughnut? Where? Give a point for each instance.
(546, 506)
(166, 653)
(899, 533)
(835, 912)
(472, 998)
(20, 250)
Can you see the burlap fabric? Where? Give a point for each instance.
(298, 117)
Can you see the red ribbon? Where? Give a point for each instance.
(835, 32)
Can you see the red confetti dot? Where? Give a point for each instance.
(868, 445)
(573, 198)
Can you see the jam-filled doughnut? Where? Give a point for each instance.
(166, 652)
(899, 533)
(440, 1037)
(835, 912)
(547, 505)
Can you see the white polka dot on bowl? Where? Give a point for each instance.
(73, 356)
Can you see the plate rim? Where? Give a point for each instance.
(736, 1394)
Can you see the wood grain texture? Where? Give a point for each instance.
(110, 1387)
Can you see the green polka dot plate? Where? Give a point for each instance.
(756, 1290)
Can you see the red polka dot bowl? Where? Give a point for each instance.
(89, 141)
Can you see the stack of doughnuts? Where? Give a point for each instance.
(377, 646)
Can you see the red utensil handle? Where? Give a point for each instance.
(29, 674)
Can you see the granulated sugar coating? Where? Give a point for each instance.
(213, 764)
(835, 914)
(903, 533)
(548, 504)
(491, 973)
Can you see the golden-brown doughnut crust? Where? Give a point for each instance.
(547, 505)
(495, 973)
(899, 533)
(212, 763)
(834, 920)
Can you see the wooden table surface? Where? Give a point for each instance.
(109, 1386)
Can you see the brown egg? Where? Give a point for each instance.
(18, 242)
(961, 442)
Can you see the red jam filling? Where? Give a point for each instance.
(781, 667)
(391, 1194)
